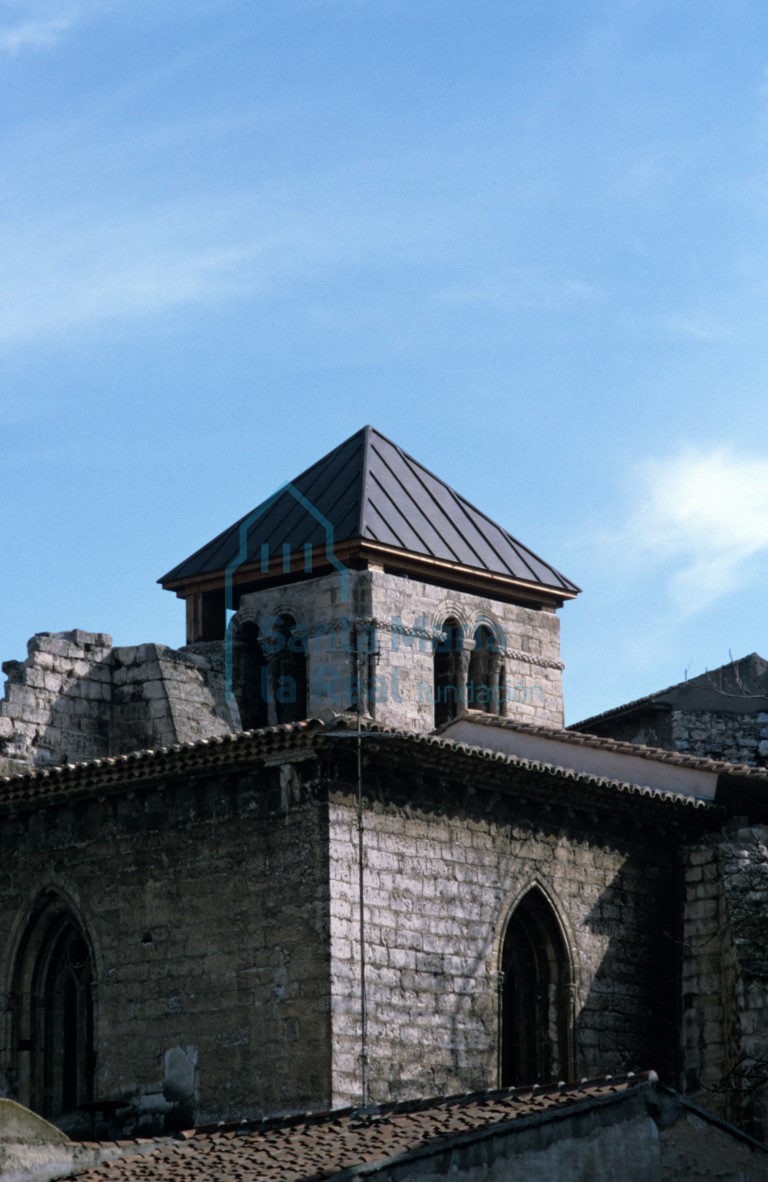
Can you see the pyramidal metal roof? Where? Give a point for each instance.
(369, 491)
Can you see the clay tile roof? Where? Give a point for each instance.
(432, 752)
(320, 1146)
(606, 743)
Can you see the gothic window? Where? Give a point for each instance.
(483, 685)
(448, 688)
(249, 677)
(55, 1018)
(289, 671)
(535, 1016)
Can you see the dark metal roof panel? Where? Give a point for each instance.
(368, 488)
(442, 523)
(331, 486)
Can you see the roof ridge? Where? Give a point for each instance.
(418, 1104)
(142, 766)
(367, 444)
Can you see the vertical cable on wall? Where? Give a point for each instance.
(362, 661)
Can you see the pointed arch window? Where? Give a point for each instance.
(535, 996)
(55, 1018)
(448, 678)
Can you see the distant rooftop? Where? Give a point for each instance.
(369, 501)
(739, 687)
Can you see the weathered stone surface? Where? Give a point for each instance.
(75, 698)
(224, 917)
(399, 620)
(200, 971)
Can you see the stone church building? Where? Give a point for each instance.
(340, 849)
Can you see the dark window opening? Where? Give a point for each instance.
(249, 676)
(535, 1023)
(483, 681)
(68, 1022)
(289, 672)
(54, 1025)
(448, 688)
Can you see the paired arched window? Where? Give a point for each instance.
(474, 679)
(269, 667)
(449, 681)
(535, 996)
(55, 1013)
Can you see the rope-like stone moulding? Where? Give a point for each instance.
(517, 654)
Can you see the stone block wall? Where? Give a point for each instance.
(223, 915)
(58, 702)
(76, 698)
(736, 738)
(442, 871)
(162, 697)
(708, 983)
(205, 901)
(725, 975)
(529, 642)
(397, 622)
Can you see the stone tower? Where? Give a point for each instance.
(366, 582)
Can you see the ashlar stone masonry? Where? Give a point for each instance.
(217, 887)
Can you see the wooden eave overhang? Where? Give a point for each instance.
(360, 553)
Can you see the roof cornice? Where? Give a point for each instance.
(479, 767)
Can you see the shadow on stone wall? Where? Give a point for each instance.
(629, 1018)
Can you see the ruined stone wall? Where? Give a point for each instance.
(205, 903)
(76, 698)
(57, 704)
(397, 621)
(443, 868)
(162, 697)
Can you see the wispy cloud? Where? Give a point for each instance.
(524, 288)
(86, 266)
(704, 513)
(700, 328)
(36, 26)
(37, 34)
(72, 275)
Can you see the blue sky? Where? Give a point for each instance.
(527, 241)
